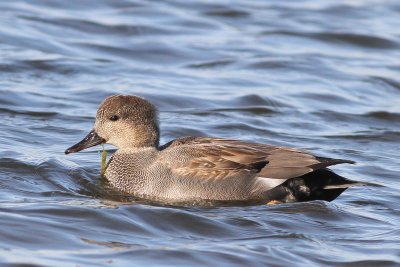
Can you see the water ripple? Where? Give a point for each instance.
(361, 40)
(321, 76)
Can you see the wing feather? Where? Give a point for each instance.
(217, 158)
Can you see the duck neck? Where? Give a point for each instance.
(136, 150)
(146, 137)
(141, 137)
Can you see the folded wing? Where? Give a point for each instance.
(217, 158)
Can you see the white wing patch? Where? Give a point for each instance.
(269, 182)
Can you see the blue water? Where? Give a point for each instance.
(317, 75)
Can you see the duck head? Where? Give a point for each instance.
(127, 122)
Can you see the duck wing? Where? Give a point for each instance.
(218, 158)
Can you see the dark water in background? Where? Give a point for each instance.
(319, 75)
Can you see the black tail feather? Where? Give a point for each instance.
(322, 184)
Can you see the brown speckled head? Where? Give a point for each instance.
(127, 122)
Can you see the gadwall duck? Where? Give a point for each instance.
(197, 169)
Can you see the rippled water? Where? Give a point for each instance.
(318, 75)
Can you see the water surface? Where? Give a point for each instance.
(318, 75)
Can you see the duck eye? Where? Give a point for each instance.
(114, 118)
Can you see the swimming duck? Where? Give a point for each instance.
(196, 169)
